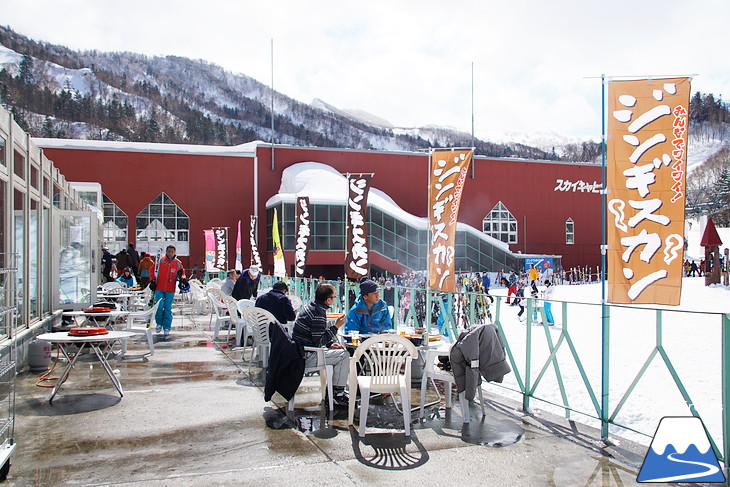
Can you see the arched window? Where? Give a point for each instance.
(115, 225)
(163, 223)
(569, 231)
(500, 224)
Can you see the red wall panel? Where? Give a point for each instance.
(218, 191)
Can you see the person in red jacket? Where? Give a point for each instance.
(169, 270)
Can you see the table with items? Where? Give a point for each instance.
(97, 343)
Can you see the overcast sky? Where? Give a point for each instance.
(409, 62)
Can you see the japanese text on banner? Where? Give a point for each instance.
(357, 261)
(448, 170)
(304, 233)
(646, 172)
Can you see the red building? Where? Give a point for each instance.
(536, 207)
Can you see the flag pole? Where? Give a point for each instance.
(472, 118)
(272, 104)
(604, 297)
(428, 244)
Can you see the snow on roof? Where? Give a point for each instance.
(325, 185)
(245, 150)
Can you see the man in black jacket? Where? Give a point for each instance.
(277, 303)
(312, 330)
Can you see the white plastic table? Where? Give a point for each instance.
(95, 342)
(109, 316)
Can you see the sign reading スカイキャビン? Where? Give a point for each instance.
(357, 260)
(646, 170)
(448, 170)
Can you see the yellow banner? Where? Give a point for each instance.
(646, 165)
(446, 182)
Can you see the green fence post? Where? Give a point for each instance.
(726, 390)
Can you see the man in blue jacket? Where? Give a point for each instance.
(369, 314)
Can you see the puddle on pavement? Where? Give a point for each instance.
(485, 431)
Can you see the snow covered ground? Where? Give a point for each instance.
(690, 335)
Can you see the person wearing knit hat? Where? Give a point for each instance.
(369, 314)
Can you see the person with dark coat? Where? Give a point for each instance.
(247, 286)
(133, 258)
(277, 303)
(122, 260)
(106, 263)
(286, 364)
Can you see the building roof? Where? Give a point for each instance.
(710, 237)
(244, 150)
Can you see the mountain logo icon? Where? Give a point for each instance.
(680, 452)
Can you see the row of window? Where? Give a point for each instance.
(160, 221)
(500, 224)
(394, 238)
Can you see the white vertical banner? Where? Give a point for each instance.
(220, 234)
(255, 257)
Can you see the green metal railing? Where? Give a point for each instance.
(563, 367)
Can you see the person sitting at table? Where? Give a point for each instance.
(369, 314)
(127, 278)
(311, 330)
(277, 303)
(227, 287)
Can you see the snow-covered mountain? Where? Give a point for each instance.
(56, 92)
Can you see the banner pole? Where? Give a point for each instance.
(427, 301)
(604, 296)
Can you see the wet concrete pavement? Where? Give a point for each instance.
(191, 415)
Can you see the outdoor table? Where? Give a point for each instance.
(96, 342)
(109, 316)
(123, 299)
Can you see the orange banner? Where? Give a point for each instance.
(646, 165)
(446, 182)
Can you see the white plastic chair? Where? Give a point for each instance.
(111, 285)
(198, 297)
(243, 332)
(142, 322)
(387, 358)
(215, 296)
(231, 306)
(214, 283)
(325, 378)
(141, 301)
(432, 372)
(296, 302)
(258, 319)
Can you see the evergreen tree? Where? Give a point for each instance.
(721, 199)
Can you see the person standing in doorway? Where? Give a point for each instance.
(169, 270)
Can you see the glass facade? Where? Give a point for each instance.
(115, 225)
(163, 223)
(388, 236)
(500, 224)
(19, 247)
(33, 230)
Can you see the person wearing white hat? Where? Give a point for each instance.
(247, 286)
